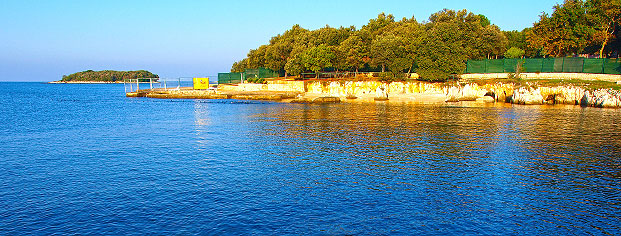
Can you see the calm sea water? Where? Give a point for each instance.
(84, 159)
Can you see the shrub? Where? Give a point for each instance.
(514, 52)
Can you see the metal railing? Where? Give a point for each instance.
(133, 85)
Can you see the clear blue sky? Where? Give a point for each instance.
(43, 40)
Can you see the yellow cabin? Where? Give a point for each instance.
(201, 83)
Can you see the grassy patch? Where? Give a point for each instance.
(517, 82)
(587, 84)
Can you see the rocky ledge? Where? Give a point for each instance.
(320, 92)
(536, 95)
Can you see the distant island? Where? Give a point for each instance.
(105, 76)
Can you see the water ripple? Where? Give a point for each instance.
(84, 159)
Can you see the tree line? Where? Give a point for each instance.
(578, 27)
(108, 75)
(439, 47)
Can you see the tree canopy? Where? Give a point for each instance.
(440, 46)
(578, 27)
(514, 52)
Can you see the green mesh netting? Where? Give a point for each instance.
(532, 65)
(593, 66)
(475, 66)
(495, 66)
(229, 78)
(612, 66)
(573, 64)
(234, 78)
(261, 73)
(546, 65)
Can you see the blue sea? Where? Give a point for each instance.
(80, 159)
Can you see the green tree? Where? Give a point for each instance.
(385, 49)
(378, 25)
(567, 31)
(477, 39)
(355, 50)
(446, 48)
(514, 52)
(493, 41)
(411, 35)
(317, 58)
(436, 63)
(330, 36)
(483, 20)
(240, 66)
(515, 38)
(256, 57)
(280, 47)
(606, 18)
(294, 66)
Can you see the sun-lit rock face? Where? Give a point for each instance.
(500, 92)
(361, 88)
(529, 94)
(562, 94)
(603, 98)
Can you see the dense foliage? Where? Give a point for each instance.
(579, 27)
(439, 47)
(434, 49)
(108, 75)
(514, 52)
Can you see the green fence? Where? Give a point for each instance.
(261, 73)
(229, 78)
(234, 78)
(556, 65)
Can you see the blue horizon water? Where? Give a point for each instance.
(84, 159)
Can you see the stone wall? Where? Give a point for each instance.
(286, 85)
(361, 88)
(279, 85)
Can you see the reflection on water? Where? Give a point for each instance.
(424, 168)
(85, 159)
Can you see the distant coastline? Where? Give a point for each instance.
(105, 77)
(93, 82)
(84, 82)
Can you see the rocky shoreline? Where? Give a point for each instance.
(537, 95)
(416, 91)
